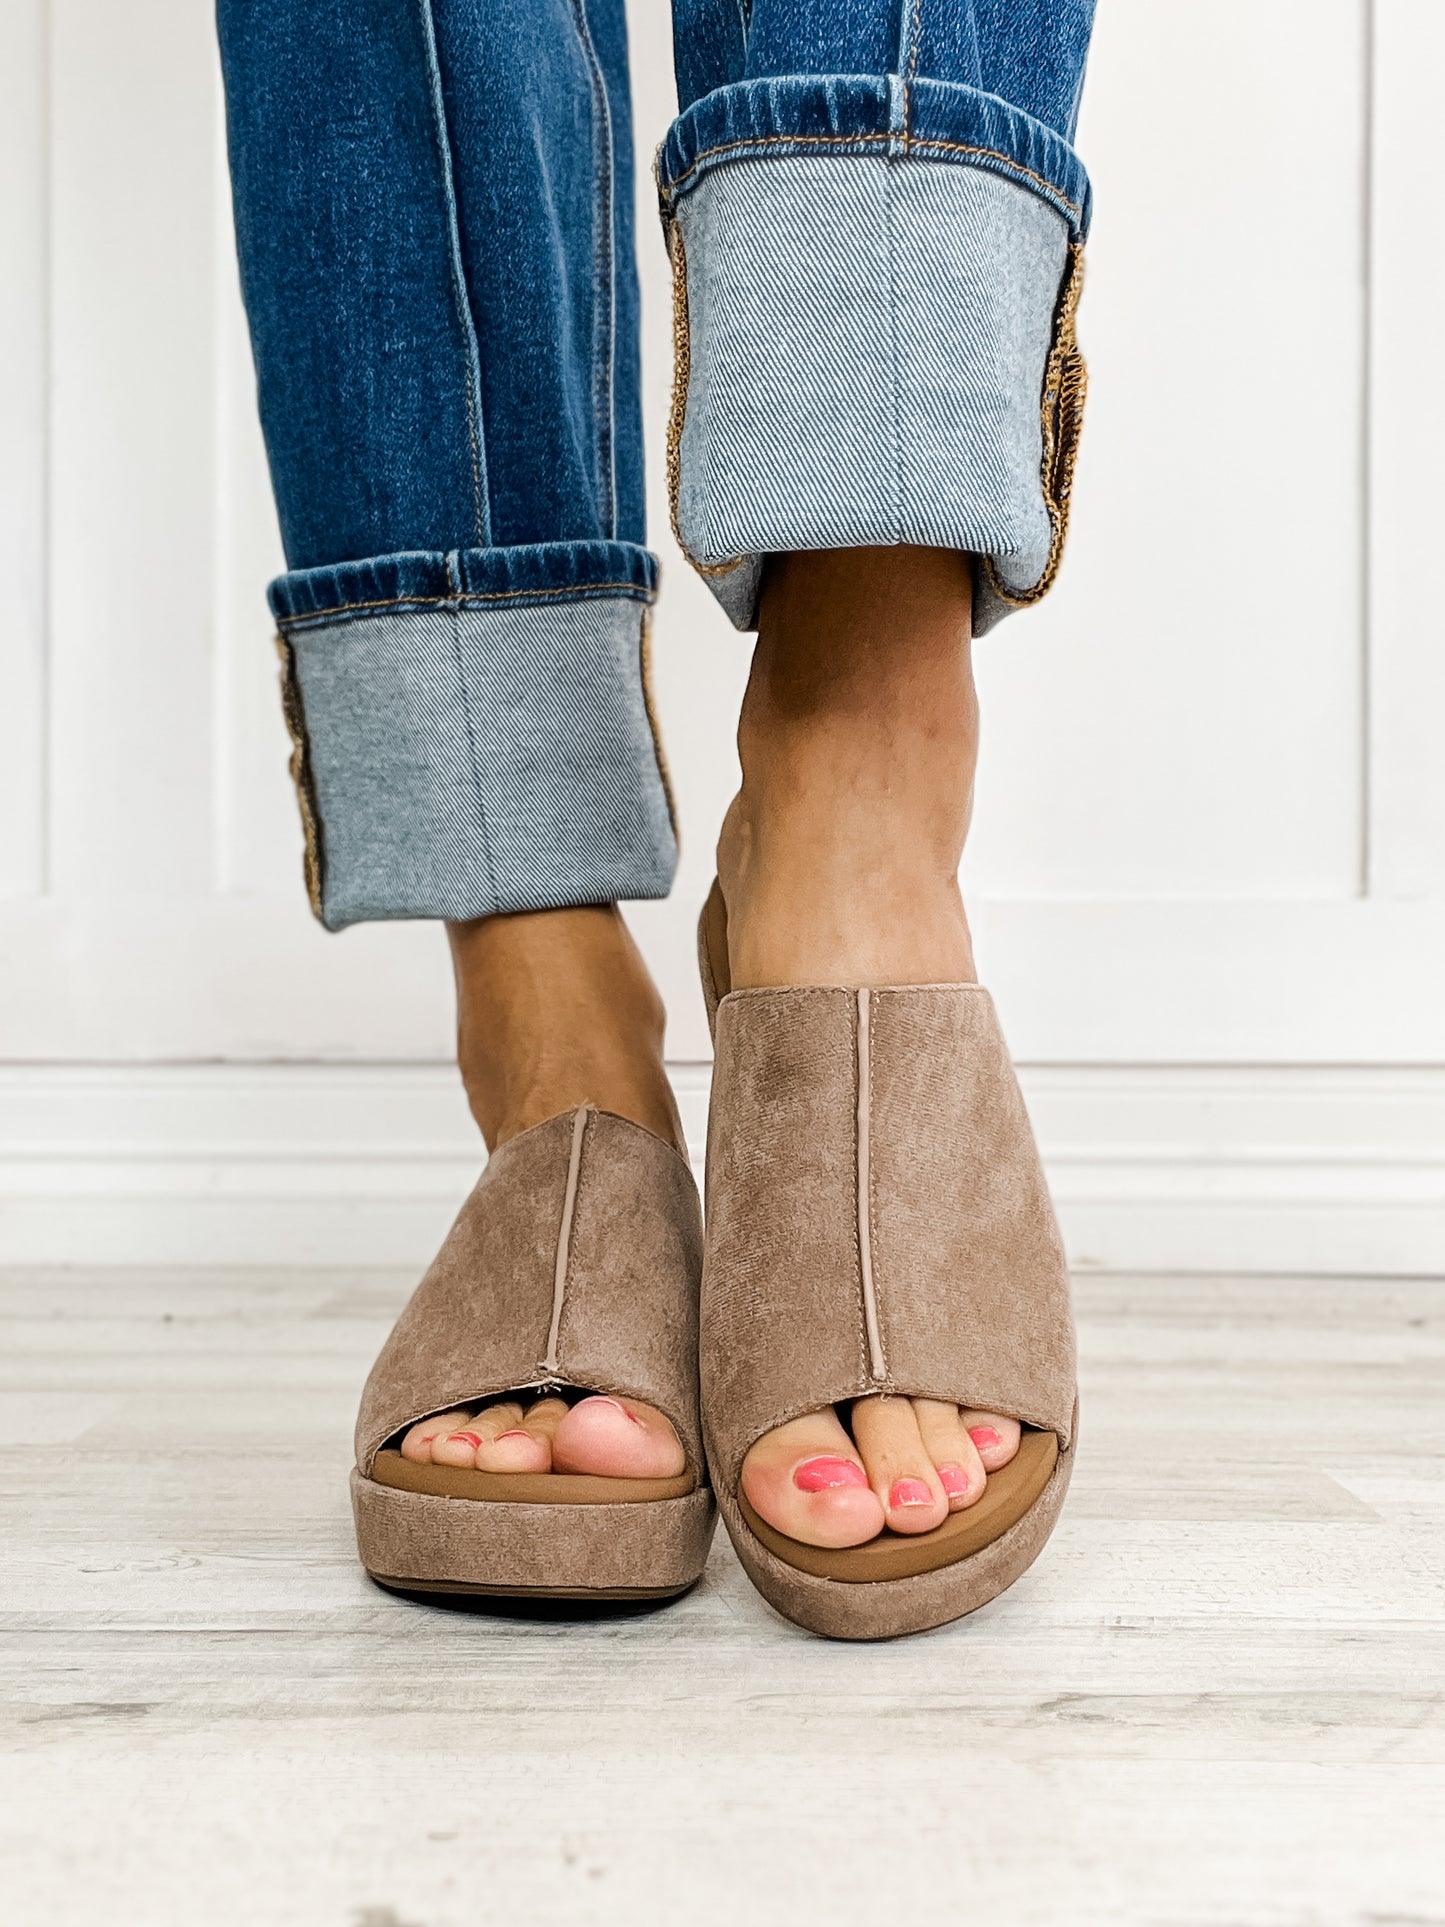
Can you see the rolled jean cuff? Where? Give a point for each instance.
(472, 732)
(875, 287)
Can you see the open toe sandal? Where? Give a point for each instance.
(574, 1263)
(878, 1223)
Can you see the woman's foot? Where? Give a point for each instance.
(555, 1008)
(608, 1437)
(838, 864)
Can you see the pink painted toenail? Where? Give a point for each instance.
(515, 1433)
(954, 1480)
(602, 1399)
(909, 1492)
(465, 1438)
(826, 1475)
(984, 1437)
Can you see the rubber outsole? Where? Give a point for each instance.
(452, 1587)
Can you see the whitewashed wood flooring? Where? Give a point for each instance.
(1218, 1698)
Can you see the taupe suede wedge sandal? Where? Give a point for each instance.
(878, 1222)
(574, 1262)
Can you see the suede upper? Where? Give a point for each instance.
(481, 1320)
(942, 1277)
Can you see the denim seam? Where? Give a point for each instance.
(486, 835)
(669, 193)
(293, 711)
(471, 349)
(894, 354)
(914, 35)
(520, 598)
(677, 414)
(644, 663)
(604, 293)
(1061, 408)
(681, 371)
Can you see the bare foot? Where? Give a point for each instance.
(608, 1437)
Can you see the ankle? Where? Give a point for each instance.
(813, 905)
(556, 1009)
(838, 859)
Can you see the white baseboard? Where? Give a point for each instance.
(1154, 1168)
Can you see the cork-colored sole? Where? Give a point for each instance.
(522, 1488)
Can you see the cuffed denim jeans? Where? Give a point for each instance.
(875, 218)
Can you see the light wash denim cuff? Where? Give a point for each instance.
(875, 345)
(473, 732)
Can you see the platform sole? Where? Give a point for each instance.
(425, 1542)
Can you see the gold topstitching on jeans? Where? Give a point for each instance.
(1066, 381)
(927, 146)
(579, 592)
(681, 368)
(301, 775)
(677, 413)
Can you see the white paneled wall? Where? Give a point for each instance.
(1208, 873)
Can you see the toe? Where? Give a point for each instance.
(617, 1438)
(461, 1446)
(513, 1440)
(419, 1440)
(997, 1439)
(954, 1454)
(806, 1480)
(897, 1463)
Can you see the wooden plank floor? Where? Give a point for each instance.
(1218, 1698)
